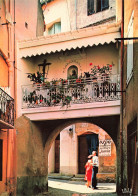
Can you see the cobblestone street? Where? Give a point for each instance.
(77, 188)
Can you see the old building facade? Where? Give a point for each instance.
(70, 75)
(129, 109)
(12, 28)
(63, 66)
(7, 95)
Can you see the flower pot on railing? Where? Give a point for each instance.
(78, 80)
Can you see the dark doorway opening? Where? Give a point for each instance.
(87, 143)
(132, 130)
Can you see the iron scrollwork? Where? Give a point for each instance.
(6, 108)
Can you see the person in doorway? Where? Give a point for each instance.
(88, 172)
(95, 163)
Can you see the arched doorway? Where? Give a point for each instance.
(76, 143)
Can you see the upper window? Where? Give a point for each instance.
(56, 28)
(97, 6)
(130, 49)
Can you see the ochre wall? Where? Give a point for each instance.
(8, 161)
(4, 73)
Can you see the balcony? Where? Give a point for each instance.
(66, 93)
(6, 111)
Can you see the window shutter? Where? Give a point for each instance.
(130, 49)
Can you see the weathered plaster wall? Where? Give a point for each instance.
(3, 72)
(73, 14)
(8, 161)
(3, 136)
(68, 152)
(118, 10)
(130, 106)
(58, 13)
(51, 158)
(24, 14)
(132, 87)
(31, 159)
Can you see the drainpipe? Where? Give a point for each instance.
(122, 71)
(7, 160)
(14, 67)
(75, 14)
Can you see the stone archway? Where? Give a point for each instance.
(34, 139)
(76, 142)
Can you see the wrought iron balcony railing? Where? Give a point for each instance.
(74, 91)
(6, 108)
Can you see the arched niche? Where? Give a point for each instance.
(72, 72)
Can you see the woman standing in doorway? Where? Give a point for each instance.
(88, 173)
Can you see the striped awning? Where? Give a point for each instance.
(92, 36)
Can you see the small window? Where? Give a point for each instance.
(1, 149)
(56, 28)
(97, 6)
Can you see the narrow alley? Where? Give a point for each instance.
(68, 97)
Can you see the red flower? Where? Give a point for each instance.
(98, 67)
(90, 64)
(110, 65)
(78, 80)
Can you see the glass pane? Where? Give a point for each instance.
(57, 27)
(90, 7)
(105, 4)
(98, 6)
(51, 30)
